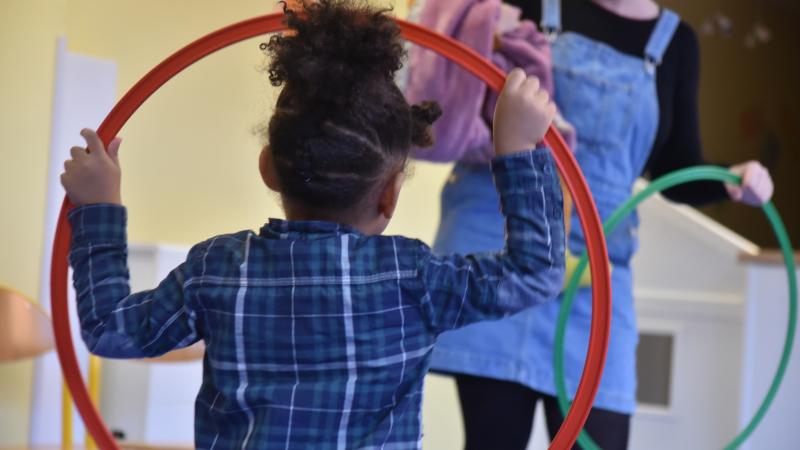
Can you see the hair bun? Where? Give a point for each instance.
(423, 115)
(333, 47)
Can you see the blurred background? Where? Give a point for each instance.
(189, 155)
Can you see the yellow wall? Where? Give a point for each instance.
(28, 30)
(193, 143)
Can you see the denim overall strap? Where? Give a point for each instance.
(665, 28)
(551, 18)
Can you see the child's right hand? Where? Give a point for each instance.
(92, 175)
(523, 114)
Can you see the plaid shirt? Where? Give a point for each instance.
(317, 335)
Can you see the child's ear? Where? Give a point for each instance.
(387, 202)
(267, 169)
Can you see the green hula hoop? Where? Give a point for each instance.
(667, 181)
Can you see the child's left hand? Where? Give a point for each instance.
(92, 175)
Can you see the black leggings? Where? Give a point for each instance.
(498, 415)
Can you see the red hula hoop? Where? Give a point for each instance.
(447, 47)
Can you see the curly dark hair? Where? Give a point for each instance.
(341, 124)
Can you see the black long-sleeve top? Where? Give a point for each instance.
(677, 144)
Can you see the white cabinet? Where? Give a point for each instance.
(151, 402)
(712, 326)
(765, 332)
(726, 310)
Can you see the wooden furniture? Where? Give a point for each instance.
(25, 329)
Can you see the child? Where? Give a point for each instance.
(318, 329)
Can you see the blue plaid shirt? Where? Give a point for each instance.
(317, 335)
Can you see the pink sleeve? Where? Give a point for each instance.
(529, 49)
(460, 94)
(463, 133)
(523, 47)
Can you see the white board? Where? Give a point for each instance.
(85, 91)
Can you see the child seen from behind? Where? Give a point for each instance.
(318, 329)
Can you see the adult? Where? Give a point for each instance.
(626, 76)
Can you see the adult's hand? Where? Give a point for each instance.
(757, 186)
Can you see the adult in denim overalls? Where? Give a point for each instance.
(611, 99)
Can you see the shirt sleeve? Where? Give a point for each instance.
(114, 322)
(683, 147)
(464, 289)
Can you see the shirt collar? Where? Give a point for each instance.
(289, 229)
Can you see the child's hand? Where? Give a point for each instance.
(522, 115)
(92, 175)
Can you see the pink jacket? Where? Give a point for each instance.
(463, 133)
